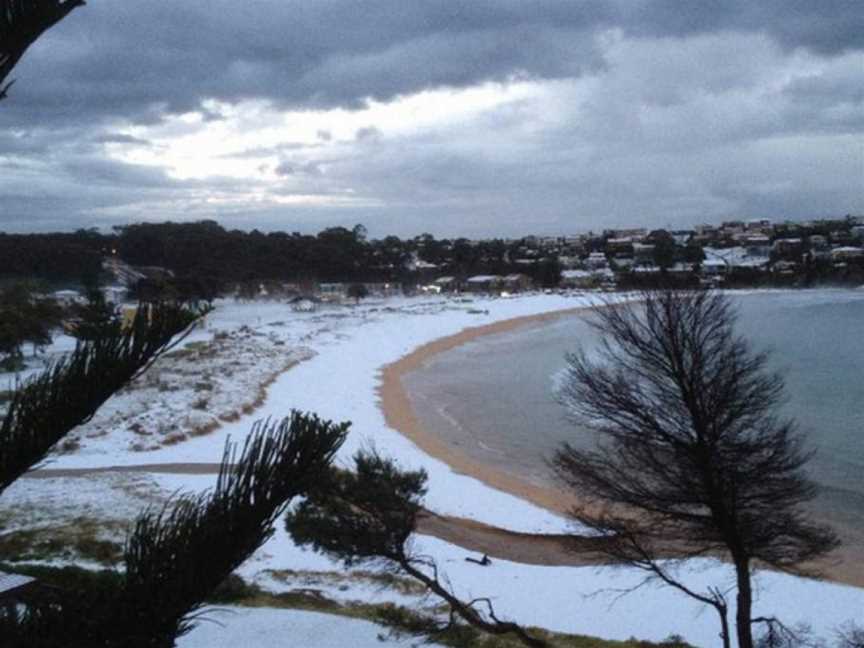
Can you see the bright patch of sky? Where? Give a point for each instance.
(477, 119)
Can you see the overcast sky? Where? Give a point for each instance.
(473, 117)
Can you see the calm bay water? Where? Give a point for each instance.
(493, 398)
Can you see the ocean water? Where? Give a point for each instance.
(494, 398)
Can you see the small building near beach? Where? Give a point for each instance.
(484, 283)
(517, 282)
(446, 284)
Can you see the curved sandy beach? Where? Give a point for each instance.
(360, 354)
(845, 565)
(399, 413)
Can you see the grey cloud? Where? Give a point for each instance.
(368, 134)
(120, 138)
(823, 26)
(685, 112)
(269, 151)
(90, 171)
(289, 168)
(139, 60)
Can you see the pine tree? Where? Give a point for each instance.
(177, 555)
(692, 459)
(368, 517)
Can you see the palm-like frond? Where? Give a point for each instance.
(45, 408)
(22, 22)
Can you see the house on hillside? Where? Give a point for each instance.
(846, 253)
(723, 260)
(643, 253)
(623, 246)
(787, 246)
(596, 261)
(757, 245)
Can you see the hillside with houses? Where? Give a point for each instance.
(198, 261)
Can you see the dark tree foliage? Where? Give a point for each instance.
(664, 248)
(692, 460)
(96, 319)
(178, 555)
(52, 257)
(21, 23)
(357, 291)
(46, 407)
(368, 516)
(25, 316)
(547, 273)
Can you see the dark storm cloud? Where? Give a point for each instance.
(823, 26)
(120, 138)
(680, 110)
(140, 59)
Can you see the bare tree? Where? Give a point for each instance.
(22, 22)
(369, 516)
(851, 635)
(691, 459)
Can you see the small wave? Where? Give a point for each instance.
(488, 448)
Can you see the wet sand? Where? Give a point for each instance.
(400, 415)
(846, 565)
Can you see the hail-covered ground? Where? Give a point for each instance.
(261, 359)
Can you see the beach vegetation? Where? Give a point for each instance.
(26, 315)
(96, 318)
(367, 517)
(692, 459)
(357, 291)
(176, 555)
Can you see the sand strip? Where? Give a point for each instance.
(843, 566)
(400, 415)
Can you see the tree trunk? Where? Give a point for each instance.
(724, 625)
(745, 602)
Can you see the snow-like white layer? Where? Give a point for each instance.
(583, 600)
(340, 383)
(230, 627)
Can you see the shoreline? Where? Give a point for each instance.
(841, 567)
(399, 413)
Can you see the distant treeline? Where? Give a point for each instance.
(207, 250)
(55, 258)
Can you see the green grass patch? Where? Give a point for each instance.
(80, 538)
(401, 620)
(383, 580)
(394, 619)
